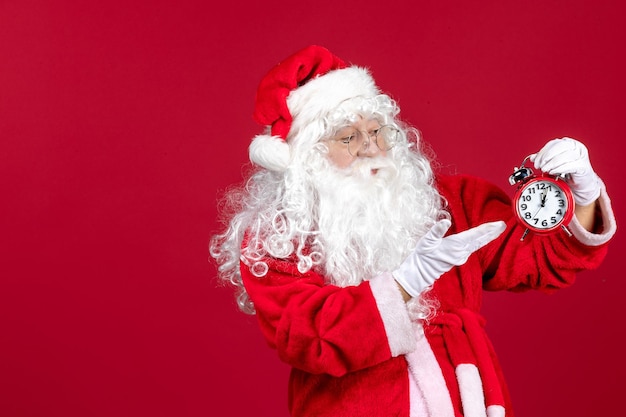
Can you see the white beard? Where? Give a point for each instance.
(371, 216)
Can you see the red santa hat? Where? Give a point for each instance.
(302, 88)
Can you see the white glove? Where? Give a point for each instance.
(569, 156)
(434, 254)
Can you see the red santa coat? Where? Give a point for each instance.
(354, 351)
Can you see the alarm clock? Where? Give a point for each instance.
(542, 203)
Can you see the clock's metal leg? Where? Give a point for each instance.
(524, 235)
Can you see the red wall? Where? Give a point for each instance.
(121, 122)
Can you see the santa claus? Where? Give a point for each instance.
(364, 268)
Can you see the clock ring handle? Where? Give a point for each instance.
(521, 174)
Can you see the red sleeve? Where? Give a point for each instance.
(322, 328)
(543, 262)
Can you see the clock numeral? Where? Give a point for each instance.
(558, 193)
(561, 203)
(544, 186)
(527, 215)
(553, 219)
(526, 198)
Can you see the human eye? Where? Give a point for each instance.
(347, 139)
(345, 135)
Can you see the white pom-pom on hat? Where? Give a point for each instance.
(270, 152)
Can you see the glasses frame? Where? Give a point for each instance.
(348, 140)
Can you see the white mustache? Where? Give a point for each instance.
(379, 166)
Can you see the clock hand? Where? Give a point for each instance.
(543, 203)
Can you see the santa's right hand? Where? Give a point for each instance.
(435, 254)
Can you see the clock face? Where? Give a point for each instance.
(543, 205)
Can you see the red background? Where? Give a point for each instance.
(122, 122)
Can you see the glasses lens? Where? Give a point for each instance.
(387, 137)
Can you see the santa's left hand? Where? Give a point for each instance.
(567, 156)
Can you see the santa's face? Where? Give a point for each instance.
(354, 141)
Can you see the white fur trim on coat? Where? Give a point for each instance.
(417, 402)
(429, 378)
(394, 314)
(495, 411)
(608, 223)
(471, 389)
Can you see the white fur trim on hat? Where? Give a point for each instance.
(270, 152)
(323, 94)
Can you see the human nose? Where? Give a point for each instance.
(367, 148)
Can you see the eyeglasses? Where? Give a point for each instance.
(385, 137)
